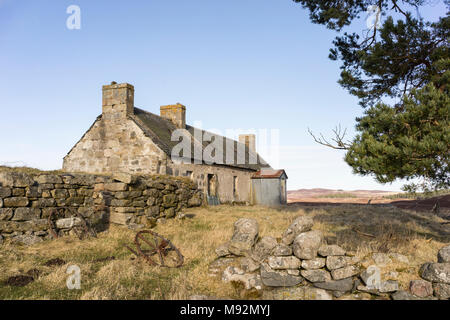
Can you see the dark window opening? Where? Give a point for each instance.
(212, 185)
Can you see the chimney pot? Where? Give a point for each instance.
(175, 113)
(249, 140)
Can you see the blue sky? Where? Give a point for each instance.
(236, 64)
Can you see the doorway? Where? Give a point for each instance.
(212, 187)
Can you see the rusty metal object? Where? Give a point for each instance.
(159, 246)
(51, 224)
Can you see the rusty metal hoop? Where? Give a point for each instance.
(160, 246)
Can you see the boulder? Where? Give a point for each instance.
(388, 286)
(337, 262)
(24, 214)
(345, 272)
(273, 278)
(313, 264)
(316, 275)
(5, 192)
(169, 200)
(282, 250)
(344, 285)
(120, 218)
(44, 203)
(15, 202)
(115, 186)
(15, 179)
(248, 264)
(381, 259)
(27, 239)
(283, 263)
(301, 224)
(249, 281)
(244, 236)
(6, 214)
(33, 192)
(124, 177)
(403, 295)
(371, 290)
(82, 179)
(222, 250)
(306, 244)
(444, 254)
(218, 266)
(330, 250)
(60, 193)
(196, 200)
(317, 294)
(436, 272)
(68, 223)
(441, 290)
(421, 288)
(48, 178)
(371, 277)
(263, 248)
(293, 272)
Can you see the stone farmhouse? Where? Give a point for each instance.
(128, 139)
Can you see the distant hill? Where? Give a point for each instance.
(339, 196)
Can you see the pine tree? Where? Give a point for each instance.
(406, 60)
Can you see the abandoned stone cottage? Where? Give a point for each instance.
(128, 139)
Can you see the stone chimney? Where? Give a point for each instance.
(118, 100)
(175, 113)
(249, 140)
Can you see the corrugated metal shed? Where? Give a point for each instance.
(269, 187)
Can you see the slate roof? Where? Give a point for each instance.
(160, 131)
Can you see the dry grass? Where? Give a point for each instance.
(27, 170)
(393, 230)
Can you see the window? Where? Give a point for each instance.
(234, 186)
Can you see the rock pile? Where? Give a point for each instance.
(302, 265)
(436, 277)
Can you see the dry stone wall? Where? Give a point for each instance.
(27, 201)
(301, 265)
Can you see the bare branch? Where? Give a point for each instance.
(338, 139)
(396, 7)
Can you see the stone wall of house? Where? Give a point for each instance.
(115, 145)
(27, 201)
(233, 184)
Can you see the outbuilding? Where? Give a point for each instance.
(269, 187)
